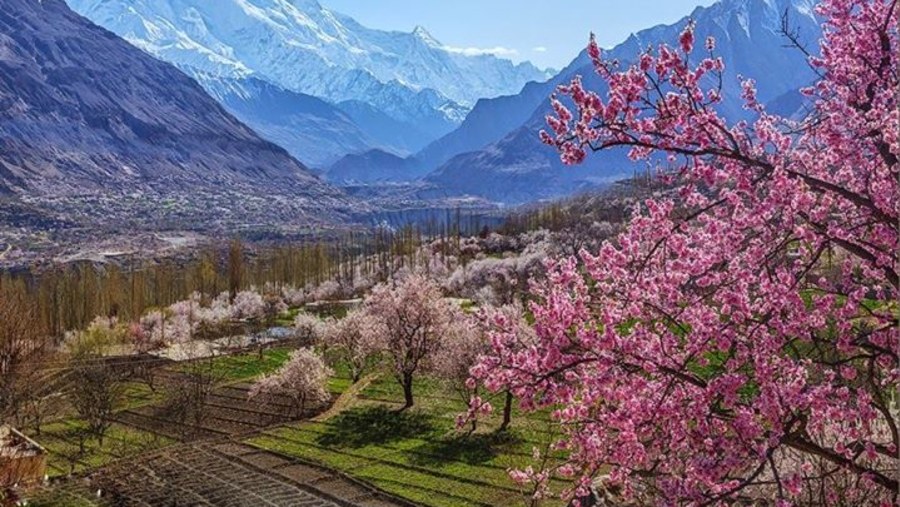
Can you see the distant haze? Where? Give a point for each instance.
(535, 30)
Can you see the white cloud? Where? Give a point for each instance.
(539, 49)
(473, 51)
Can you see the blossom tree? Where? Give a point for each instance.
(308, 328)
(410, 318)
(328, 290)
(211, 319)
(739, 339)
(274, 306)
(352, 338)
(302, 380)
(505, 327)
(161, 327)
(248, 305)
(293, 296)
(462, 347)
(499, 281)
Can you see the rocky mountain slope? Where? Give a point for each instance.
(311, 129)
(513, 166)
(372, 166)
(87, 117)
(489, 121)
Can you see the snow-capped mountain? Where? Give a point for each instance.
(511, 165)
(87, 116)
(300, 46)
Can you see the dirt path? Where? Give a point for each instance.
(346, 398)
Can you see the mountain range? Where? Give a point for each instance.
(92, 125)
(376, 78)
(496, 154)
(86, 115)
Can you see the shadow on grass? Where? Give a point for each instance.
(470, 449)
(374, 425)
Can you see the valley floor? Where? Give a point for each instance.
(360, 452)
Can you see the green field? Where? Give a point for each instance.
(246, 365)
(418, 454)
(70, 496)
(61, 441)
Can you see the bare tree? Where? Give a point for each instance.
(186, 394)
(96, 382)
(75, 454)
(23, 347)
(235, 268)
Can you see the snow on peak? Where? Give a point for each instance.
(301, 46)
(426, 37)
(306, 5)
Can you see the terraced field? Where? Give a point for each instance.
(228, 411)
(121, 441)
(142, 463)
(230, 474)
(244, 452)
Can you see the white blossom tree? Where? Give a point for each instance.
(302, 380)
(352, 338)
(410, 319)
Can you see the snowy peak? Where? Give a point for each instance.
(506, 161)
(761, 14)
(306, 5)
(302, 46)
(122, 120)
(422, 34)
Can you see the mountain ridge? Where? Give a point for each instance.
(410, 77)
(747, 38)
(84, 113)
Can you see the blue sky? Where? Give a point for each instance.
(536, 30)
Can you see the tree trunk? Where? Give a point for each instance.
(407, 392)
(507, 412)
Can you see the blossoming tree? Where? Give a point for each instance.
(507, 328)
(352, 337)
(302, 380)
(739, 339)
(410, 320)
(462, 346)
(308, 328)
(248, 305)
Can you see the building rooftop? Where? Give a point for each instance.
(14, 444)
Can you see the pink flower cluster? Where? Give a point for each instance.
(740, 338)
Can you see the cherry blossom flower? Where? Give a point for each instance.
(740, 337)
